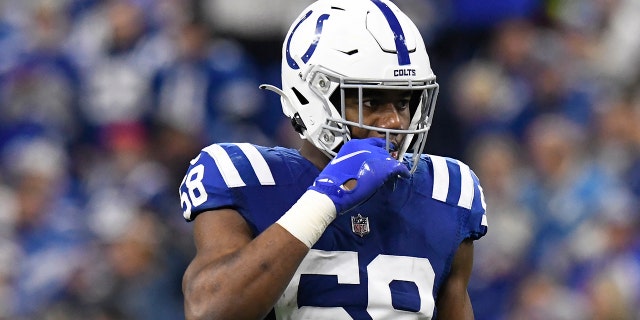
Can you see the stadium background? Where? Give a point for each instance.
(104, 102)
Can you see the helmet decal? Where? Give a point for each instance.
(312, 47)
(401, 47)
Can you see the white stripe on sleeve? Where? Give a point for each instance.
(484, 204)
(225, 165)
(259, 165)
(466, 186)
(440, 178)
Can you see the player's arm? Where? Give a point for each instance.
(453, 299)
(234, 276)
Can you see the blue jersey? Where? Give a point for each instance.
(385, 259)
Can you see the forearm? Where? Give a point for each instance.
(246, 283)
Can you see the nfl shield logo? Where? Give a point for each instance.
(360, 225)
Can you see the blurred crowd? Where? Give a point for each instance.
(104, 102)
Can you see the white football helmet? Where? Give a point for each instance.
(355, 44)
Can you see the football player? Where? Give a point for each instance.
(356, 224)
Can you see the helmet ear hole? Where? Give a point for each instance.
(300, 97)
(298, 124)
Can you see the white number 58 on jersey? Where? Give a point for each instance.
(381, 271)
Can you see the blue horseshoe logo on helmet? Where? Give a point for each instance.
(399, 38)
(312, 47)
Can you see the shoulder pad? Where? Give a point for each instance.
(456, 184)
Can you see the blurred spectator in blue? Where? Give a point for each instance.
(188, 91)
(118, 52)
(565, 190)
(632, 176)
(606, 273)
(40, 93)
(494, 87)
(541, 296)
(125, 273)
(562, 82)
(125, 164)
(130, 275)
(46, 233)
(527, 71)
(499, 264)
(617, 138)
(134, 273)
(495, 34)
(208, 93)
(610, 277)
(12, 37)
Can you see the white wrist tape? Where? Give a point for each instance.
(309, 217)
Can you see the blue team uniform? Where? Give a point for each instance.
(385, 259)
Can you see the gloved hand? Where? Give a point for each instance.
(365, 160)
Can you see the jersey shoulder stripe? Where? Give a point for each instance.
(233, 160)
(225, 166)
(456, 184)
(467, 186)
(453, 182)
(258, 163)
(440, 178)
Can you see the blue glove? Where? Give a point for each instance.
(365, 160)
